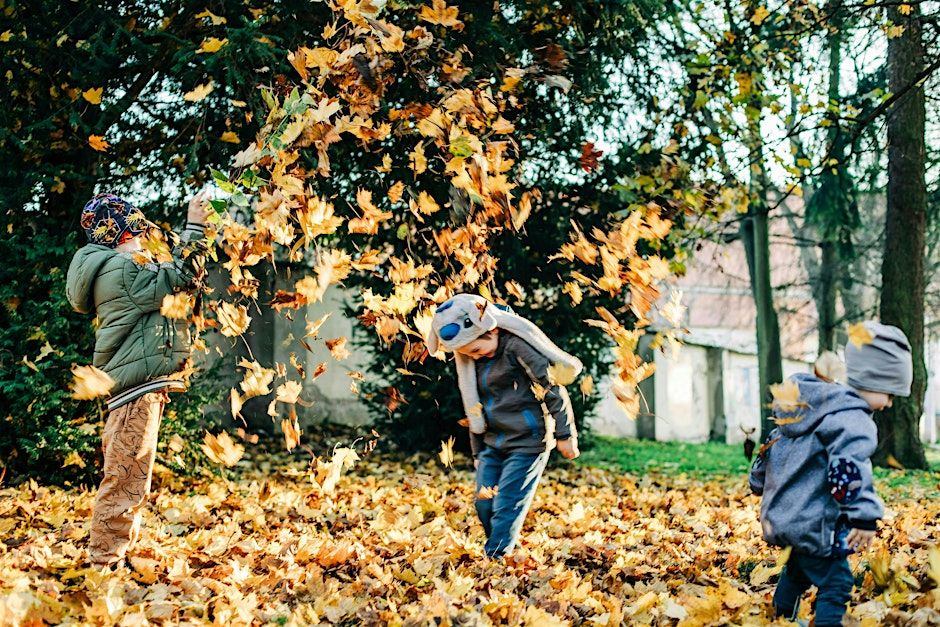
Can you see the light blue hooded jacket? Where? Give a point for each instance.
(817, 471)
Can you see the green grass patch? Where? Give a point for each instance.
(715, 460)
(639, 457)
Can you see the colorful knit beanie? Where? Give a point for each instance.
(464, 318)
(109, 220)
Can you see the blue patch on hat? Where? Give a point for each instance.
(503, 307)
(444, 306)
(449, 331)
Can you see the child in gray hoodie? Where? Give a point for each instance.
(516, 410)
(815, 475)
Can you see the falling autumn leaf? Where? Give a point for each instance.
(256, 379)
(786, 396)
(89, 383)
(560, 374)
(98, 143)
(337, 348)
(199, 92)
(759, 15)
(234, 319)
(440, 13)
(893, 462)
(221, 449)
(211, 44)
(176, 306)
(447, 452)
(859, 335)
(589, 157)
(288, 392)
(73, 459)
(93, 95)
(292, 433)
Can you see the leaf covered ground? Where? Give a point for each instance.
(397, 542)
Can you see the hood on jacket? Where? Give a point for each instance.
(821, 399)
(83, 271)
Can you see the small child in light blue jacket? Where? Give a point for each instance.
(815, 474)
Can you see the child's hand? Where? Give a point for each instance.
(568, 448)
(199, 209)
(859, 539)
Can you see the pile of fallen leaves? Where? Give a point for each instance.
(393, 542)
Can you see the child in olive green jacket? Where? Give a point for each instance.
(137, 347)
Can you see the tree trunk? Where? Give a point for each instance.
(826, 296)
(902, 269)
(755, 234)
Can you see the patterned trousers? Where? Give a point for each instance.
(130, 446)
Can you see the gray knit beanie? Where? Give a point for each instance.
(882, 365)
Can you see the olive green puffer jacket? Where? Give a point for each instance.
(134, 343)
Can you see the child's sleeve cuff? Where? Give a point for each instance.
(867, 525)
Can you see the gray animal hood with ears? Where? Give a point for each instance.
(464, 318)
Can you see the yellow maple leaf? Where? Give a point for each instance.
(388, 328)
(199, 92)
(418, 161)
(894, 31)
(447, 452)
(859, 335)
(234, 319)
(328, 474)
(256, 380)
(292, 433)
(313, 327)
(786, 397)
(98, 143)
(176, 306)
(426, 205)
(337, 348)
(90, 383)
(759, 15)
(74, 459)
(236, 403)
(587, 385)
(560, 374)
(288, 392)
(221, 449)
(93, 95)
(395, 192)
(440, 13)
(211, 44)
(230, 137)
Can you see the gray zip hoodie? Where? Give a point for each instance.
(816, 471)
(516, 420)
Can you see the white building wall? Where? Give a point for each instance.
(330, 393)
(742, 393)
(682, 395)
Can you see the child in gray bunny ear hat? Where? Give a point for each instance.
(516, 409)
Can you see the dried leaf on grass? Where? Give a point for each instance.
(381, 541)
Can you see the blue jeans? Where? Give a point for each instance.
(517, 475)
(832, 577)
